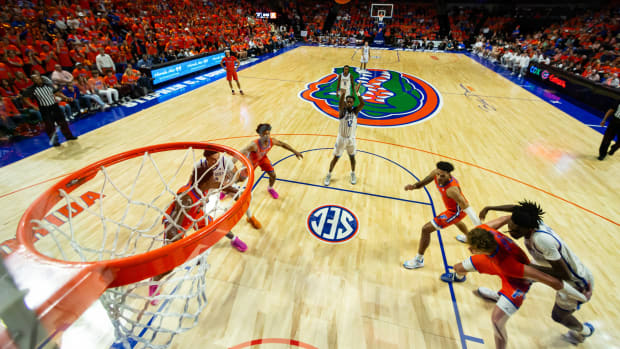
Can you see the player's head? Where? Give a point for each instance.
(210, 155)
(445, 168)
(345, 69)
(525, 218)
(481, 241)
(263, 130)
(365, 43)
(349, 100)
(227, 53)
(202, 175)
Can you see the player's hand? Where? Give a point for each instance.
(483, 213)
(411, 186)
(603, 123)
(299, 155)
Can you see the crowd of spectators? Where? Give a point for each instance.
(587, 44)
(96, 51)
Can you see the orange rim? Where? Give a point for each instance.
(135, 268)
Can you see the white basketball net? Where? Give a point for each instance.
(122, 216)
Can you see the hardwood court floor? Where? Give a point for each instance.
(505, 143)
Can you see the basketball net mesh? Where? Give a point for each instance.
(127, 220)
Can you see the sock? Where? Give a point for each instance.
(248, 213)
(458, 276)
(269, 187)
(153, 289)
(419, 257)
(585, 330)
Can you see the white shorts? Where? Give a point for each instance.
(506, 305)
(570, 304)
(364, 59)
(342, 143)
(347, 91)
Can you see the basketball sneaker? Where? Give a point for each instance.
(255, 223)
(353, 178)
(487, 293)
(273, 192)
(577, 337)
(238, 244)
(233, 92)
(462, 238)
(451, 277)
(222, 195)
(328, 178)
(414, 263)
(241, 92)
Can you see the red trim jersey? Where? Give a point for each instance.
(451, 205)
(257, 156)
(230, 63)
(192, 215)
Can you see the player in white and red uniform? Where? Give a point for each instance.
(457, 208)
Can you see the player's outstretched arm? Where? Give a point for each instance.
(288, 147)
(455, 194)
(423, 182)
(498, 222)
(501, 208)
(248, 149)
(341, 104)
(362, 101)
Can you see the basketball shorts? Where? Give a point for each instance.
(364, 59)
(264, 163)
(570, 304)
(513, 289)
(447, 218)
(347, 91)
(231, 75)
(343, 143)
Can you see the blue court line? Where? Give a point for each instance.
(464, 338)
(354, 191)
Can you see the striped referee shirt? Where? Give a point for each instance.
(44, 95)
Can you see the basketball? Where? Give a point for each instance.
(342, 2)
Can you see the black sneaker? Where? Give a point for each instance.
(613, 149)
(72, 138)
(601, 158)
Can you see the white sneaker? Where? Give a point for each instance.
(487, 293)
(353, 178)
(575, 337)
(461, 238)
(327, 179)
(413, 263)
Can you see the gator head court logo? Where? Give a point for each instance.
(392, 98)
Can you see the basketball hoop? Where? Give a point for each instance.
(110, 242)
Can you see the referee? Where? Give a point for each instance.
(50, 111)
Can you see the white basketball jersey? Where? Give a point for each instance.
(345, 83)
(223, 168)
(348, 124)
(365, 51)
(545, 244)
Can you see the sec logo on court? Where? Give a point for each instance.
(332, 224)
(392, 98)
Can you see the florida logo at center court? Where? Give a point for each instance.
(392, 98)
(332, 224)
